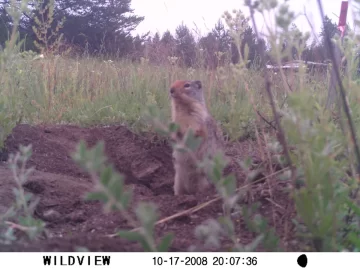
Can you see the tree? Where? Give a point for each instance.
(167, 46)
(222, 36)
(101, 26)
(331, 29)
(209, 46)
(185, 45)
(6, 25)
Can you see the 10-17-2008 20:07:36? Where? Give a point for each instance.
(205, 261)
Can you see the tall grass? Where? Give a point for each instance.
(89, 91)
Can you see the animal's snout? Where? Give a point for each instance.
(172, 90)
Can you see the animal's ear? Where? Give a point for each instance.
(198, 83)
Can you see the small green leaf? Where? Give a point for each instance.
(116, 186)
(246, 164)
(230, 183)
(126, 198)
(254, 244)
(96, 196)
(228, 225)
(173, 127)
(217, 173)
(106, 176)
(146, 213)
(165, 242)
(353, 207)
(354, 239)
(191, 141)
(131, 236)
(135, 237)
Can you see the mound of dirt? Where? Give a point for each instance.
(72, 222)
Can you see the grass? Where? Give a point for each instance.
(90, 91)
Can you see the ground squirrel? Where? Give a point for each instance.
(189, 110)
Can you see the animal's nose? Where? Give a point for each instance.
(172, 90)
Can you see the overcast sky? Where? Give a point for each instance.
(162, 15)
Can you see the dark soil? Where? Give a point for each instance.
(72, 222)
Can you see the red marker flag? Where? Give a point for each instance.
(342, 18)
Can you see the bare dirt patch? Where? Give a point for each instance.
(147, 165)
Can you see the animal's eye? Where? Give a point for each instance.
(187, 85)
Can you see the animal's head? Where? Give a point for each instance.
(182, 89)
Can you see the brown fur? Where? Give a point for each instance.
(189, 111)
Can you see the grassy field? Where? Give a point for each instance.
(317, 156)
(90, 91)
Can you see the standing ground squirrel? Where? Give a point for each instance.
(189, 110)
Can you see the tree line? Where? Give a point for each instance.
(104, 27)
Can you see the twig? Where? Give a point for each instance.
(265, 120)
(284, 101)
(274, 203)
(201, 206)
(17, 226)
